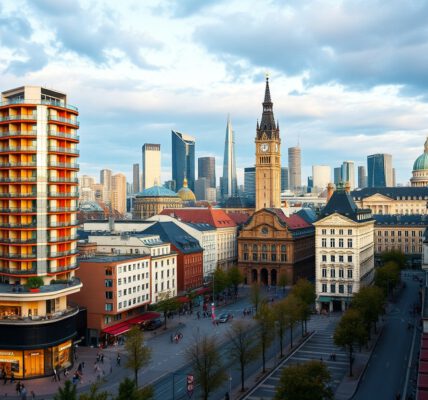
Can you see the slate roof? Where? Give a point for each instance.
(401, 220)
(307, 214)
(215, 217)
(170, 232)
(393, 192)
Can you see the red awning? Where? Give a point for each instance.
(124, 326)
(422, 381)
(183, 299)
(203, 290)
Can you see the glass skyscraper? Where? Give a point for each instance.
(379, 170)
(284, 179)
(250, 184)
(183, 159)
(228, 182)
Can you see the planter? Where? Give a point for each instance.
(34, 290)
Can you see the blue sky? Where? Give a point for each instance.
(349, 78)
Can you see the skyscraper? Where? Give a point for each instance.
(362, 177)
(348, 173)
(118, 193)
(268, 157)
(183, 159)
(321, 176)
(379, 170)
(206, 169)
(337, 175)
(201, 186)
(136, 178)
(250, 184)
(151, 165)
(229, 185)
(38, 235)
(284, 179)
(105, 180)
(295, 168)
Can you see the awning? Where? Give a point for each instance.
(324, 299)
(125, 326)
(183, 299)
(203, 290)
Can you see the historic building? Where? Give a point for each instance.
(344, 251)
(271, 243)
(153, 200)
(38, 196)
(186, 195)
(393, 200)
(420, 169)
(268, 157)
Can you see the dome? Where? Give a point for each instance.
(421, 162)
(157, 191)
(185, 193)
(90, 206)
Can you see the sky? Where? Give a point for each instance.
(347, 78)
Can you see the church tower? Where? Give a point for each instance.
(268, 158)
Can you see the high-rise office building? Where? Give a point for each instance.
(136, 178)
(118, 193)
(268, 157)
(206, 169)
(321, 176)
(295, 168)
(362, 177)
(229, 186)
(201, 186)
(250, 184)
(348, 173)
(105, 179)
(284, 179)
(394, 178)
(183, 159)
(379, 170)
(151, 165)
(38, 237)
(310, 184)
(337, 175)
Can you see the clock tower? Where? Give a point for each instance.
(268, 157)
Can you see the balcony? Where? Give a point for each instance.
(67, 150)
(55, 103)
(63, 120)
(62, 165)
(15, 210)
(71, 136)
(14, 225)
(20, 149)
(57, 254)
(62, 180)
(62, 209)
(18, 179)
(61, 239)
(59, 269)
(18, 164)
(61, 194)
(18, 241)
(17, 272)
(18, 256)
(59, 224)
(16, 319)
(18, 133)
(18, 195)
(31, 117)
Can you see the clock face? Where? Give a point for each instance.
(264, 147)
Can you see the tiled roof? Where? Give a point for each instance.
(214, 217)
(392, 192)
(293, 222)
(239, 218)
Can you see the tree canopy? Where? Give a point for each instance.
(138, 354)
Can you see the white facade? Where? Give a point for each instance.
(321, 176)
(151, 165)
(344, 259)
(348, 173)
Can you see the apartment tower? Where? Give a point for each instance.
(151, 165)
(38, 256)
(295, 167)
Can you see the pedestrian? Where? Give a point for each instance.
(79, 367)
(198, 315)
(83, 365)
(12, 377)
(54, 378)
(4, 376)
(33, 395)
(102, 358)
(172, 338)
(18, 388)
(23, 392)
(118, 360)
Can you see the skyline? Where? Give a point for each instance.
(198, 71)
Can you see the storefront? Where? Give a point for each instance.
(36, 363)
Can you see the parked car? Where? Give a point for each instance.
(153, 324)
(224, 317)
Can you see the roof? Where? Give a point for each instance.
(114, 258)
(90, 206)
(239, 218)
(170, 232)
(341, 202)
(157, 191)
(201, 226)
(215, 217)
(307, 214)
(421, 163)
(396, 193)
(401, 220)
(293, 222)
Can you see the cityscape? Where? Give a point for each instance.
(212, 212)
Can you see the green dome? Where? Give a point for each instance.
(421, 162)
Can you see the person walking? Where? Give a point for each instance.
(12, 377)
(118, 360)
(23, 392)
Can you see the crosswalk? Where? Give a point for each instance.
(319, 347)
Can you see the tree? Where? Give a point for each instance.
(206, 363)
(235, 278)
(255, 295)
(220, 281)
(281, 322)
(387, 277)
(167, 304)
(68, 392)
(282, 280)
(349, 332)
(293, 310)
(242, 350)
(94, 393)
(305, 292)
(266, 331)
(369, 302)
(308, 381)
(128, 391)
(138, 354)
(395, 256)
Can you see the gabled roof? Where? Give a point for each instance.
(393, 192)
(293, 222)
(170, 232)
(307, 214)
(215, 217)
(239, 218)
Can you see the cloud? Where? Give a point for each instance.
(186, 8)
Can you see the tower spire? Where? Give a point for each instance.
(267, 124)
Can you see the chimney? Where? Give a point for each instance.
(347, 187)
(330, 191)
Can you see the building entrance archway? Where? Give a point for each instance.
(264, 276)
(254, 276)
(273, 277)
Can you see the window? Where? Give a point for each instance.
(349, 231)
(245, 247)
(324, 258)
(245, 256)
(109, 307)
(108, 283)
(340, 242)
(349, 289)
(324, 288)
(254, 247)
(332, 232)
(324, 231)
(332, 243)
(125, 292)
(340, 231)
(406, 233)
(109, 295)
(324, 242)
(119, 306)
(254, 256)
(273, 257)
(283, 257)
(332, 273)
(350, 243)
(349, 273)
(333, 258)
(333, 288)
(340, 258)
(341, 273)
(109, 272)
(324, 272)
(341, 289)
(119, 293)
(119, 281)
(349, 258)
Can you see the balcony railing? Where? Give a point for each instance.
(55, 254)
(14, 271)
(63, 150)
(53, 270)
(18, 133)
(61, 239)
(63, 135)
(39, 319)
(20, 195)
(13, 225)
(18, 240)
(57, 224)
(19, 179)
(18, 256)
(63, 165)
(18, 164)
(62, 180)
(32, 117)
(61, 194)
(55, 103)
(64, 120)
(19, 210)
(23, 149)
(62, 209)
